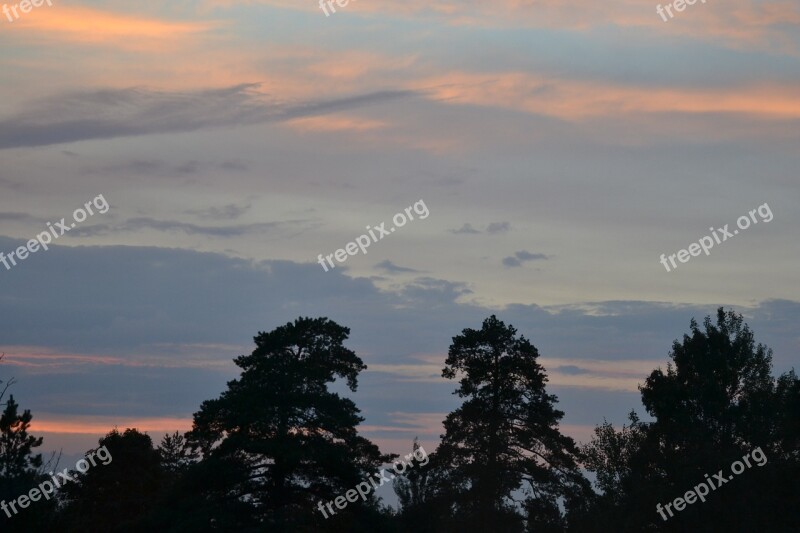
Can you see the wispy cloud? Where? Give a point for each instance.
(741, 23)
(111, 113)
(494, 228)
(142, 223)
(388, 266)
(466, 229)
(84, 25)
(99, 425)
(226, 212)
(521, 257)
(621, 376)
(498, 227)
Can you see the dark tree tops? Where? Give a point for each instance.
(287, 439)
(716, 402)
(16, 445)
(504, 438)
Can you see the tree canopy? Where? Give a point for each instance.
(280, 445)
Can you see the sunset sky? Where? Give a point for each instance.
(561, 146)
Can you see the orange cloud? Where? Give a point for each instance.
(89, 26)
(576, 100)
(619, 376)
(35, 358)
(100, 425)
(329, 123)
(736, 23)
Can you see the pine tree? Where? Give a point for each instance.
(278, 444)
(503, 443)
(20, 468)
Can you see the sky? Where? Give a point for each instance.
(559, 148)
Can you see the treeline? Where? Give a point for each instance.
(279, 441)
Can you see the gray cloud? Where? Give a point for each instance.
(493, 229)
(527, 256)
(391, 267)
(226, 212)
(234, 166)
(19, 217)
(140, 223)
(522, 256)
(427, 291)
(571, 369)
(158, 167)
(111, 113)
(465, 229)
(498, 227)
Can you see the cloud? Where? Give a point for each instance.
(466, 229)
(83, 25)
(49, 423)
(498, 227)
(142, 223)
(391, 267)
(332, 123)
(527, 256)
(493, 229)
(623, 376)
(19, 217)
(111, 113)
(433, 292)
(581, 100)
(571, 369)
(522, 256)
(152, 167)
(744, 23)
(226, 212)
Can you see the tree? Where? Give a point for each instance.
(20, 468)
(716, 402)
(503, 447)
(175, 456)
(119, 487)
(17, 460)
(613, 456)
(420, 494)
(278, 444)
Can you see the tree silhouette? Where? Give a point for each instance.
(278, 444)
(716, 402)
(420, 492)
(17, 460)
(20, 468)
(508, 462)
(176, 457)
(118, 489)
(613, 455)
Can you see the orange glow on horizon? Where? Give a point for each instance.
(100, 425)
